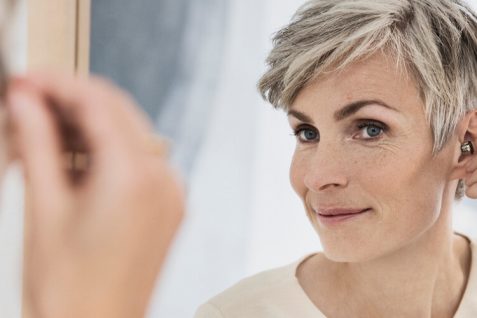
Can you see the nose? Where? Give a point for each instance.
(326, 169)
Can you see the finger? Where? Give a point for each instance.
(472, 164)
(471, 179)
(38, 146)
(471, 191)
(100, 109)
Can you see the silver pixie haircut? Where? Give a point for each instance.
(435, 41)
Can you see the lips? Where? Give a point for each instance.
(332, 217)
(330, 212)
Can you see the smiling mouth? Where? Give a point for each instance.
(342, 214)
(335, 218)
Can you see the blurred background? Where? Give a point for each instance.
(193, 66)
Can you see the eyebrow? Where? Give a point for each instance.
(345, 111)
(300, 116)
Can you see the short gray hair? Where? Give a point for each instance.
(436, 41)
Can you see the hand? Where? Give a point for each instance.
(93, 245)
(471, 179)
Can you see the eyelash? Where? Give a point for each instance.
(298, 130)
(360, 126)
(373, 123)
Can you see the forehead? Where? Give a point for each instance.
(377, 77)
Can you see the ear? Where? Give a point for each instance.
(466, 166)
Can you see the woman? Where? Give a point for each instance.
(382, 98)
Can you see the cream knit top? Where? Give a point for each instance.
(277, 293)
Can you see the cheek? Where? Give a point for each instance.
(407, 189)
(373, 169)
(391, 177)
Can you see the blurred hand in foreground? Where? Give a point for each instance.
(94, 242)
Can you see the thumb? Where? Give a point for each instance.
(39, 149)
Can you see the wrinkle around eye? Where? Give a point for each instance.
(384, 146)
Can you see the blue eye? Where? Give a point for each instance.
(306, 134)
(371, 130)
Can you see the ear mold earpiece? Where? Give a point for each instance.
(467, 148)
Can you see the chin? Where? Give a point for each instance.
(348, 250)
(346, 256)
(350, 243)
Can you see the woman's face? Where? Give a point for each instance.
(363, 144)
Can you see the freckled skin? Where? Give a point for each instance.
(396, 175)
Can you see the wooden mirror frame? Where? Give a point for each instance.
(58, 35)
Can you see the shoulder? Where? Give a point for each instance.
(254, 295)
